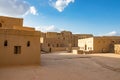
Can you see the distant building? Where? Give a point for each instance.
(103, 44)
(75, 38)
(53, 41)
(18, 45)
(65, 40)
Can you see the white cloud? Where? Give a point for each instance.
(112, 33)
(16, 8)
(33, 10)
(50, 28)
(60, 5)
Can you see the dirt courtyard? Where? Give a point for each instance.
(67, 66)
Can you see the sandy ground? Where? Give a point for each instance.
(66, 66)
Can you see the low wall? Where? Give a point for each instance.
(75, 51)
(53, 49)
(58, 49)
(46, 49)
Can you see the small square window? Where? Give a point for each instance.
(17, 49)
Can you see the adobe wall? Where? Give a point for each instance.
(24, 28)
(62, 39)
(79, 36)
(9, 22)
(51, 34)
(86, 44)
(18, 45)
(19, 32)
(103, 44)
(58, 49)
(117, 48)
(46, 49)
(28, 56)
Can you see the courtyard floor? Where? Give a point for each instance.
(67, 66)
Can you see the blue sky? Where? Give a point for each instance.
(98, 17)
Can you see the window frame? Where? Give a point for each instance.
(17, 49)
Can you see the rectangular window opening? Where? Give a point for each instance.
(17, 49)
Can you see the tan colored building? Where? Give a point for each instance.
(117, 48)
(75, 38)
(18, 45)
(99, 44)
(65, 40)
(53, 41)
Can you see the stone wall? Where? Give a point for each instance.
(63, 39)
(19, 46)
(103, 44)
(9, 22)
(117, 48)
